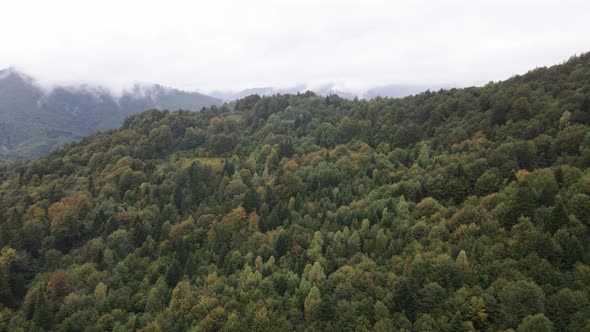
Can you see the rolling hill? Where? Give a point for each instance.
(457, 210)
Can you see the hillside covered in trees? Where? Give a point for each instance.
(458, 210)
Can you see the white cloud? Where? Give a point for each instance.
(222, 44)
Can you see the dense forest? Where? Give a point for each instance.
(457, 210)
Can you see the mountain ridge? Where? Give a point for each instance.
(36, 119)
(384, 91)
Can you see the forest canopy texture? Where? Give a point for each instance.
(457, 210)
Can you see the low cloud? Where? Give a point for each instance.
(228, 45)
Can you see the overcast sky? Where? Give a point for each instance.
(218, 44)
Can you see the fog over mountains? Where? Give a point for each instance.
(391, 91)
(35, 119)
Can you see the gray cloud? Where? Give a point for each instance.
(213, 45)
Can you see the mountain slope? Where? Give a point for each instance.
(33, 121)
(460, 210)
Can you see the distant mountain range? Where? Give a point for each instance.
(34, 120)
(391, 91)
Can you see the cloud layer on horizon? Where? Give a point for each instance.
(226, 45)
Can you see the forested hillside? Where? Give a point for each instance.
(458, 210)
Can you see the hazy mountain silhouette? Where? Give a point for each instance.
(34, 120)
(386, 91)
